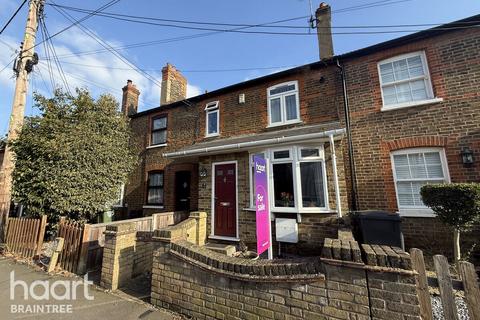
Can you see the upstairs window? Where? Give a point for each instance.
(159, 131)
(405, 80)
(213, 119)
(414, 168)
(283, 104)
(155, 188)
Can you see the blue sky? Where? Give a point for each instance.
(220, 51)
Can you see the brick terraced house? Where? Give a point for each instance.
(359, 131)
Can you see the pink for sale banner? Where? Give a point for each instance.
(261, 204)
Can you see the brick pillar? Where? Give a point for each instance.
(118, 255)
(201, 227)
(130, 99)
(174, 85)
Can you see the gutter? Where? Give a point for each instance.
(353, 175)
(251, 144)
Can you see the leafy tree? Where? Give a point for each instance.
(456, 204)
(72, 158)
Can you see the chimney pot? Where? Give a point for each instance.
(324, 30)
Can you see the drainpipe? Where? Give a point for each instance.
(335, 176)
(353, 175)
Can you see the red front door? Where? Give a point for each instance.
(225, 200)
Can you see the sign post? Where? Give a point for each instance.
(264, 233)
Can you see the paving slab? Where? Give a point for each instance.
(103, 305)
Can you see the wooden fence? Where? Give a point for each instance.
(72, 233)
(24, 236)
(446, 285)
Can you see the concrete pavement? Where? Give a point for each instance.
(64, 298)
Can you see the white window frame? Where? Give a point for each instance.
(426, 77)
(283, 106)
(295, 158)
(212, 107)
(418, 211)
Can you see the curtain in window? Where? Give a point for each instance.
(313, 194)
(291, 107)
(155, 188)
(275, 110)
(159, 137)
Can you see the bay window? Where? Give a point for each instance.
(414, 168)
(297, 179)
(283, 104)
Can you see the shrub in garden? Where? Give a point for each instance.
(455, 204)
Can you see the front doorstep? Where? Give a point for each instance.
(214, 237)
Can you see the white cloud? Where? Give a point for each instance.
(193, 91)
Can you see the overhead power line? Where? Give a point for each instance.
(13, 16)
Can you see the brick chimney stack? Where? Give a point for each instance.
(130, 99)
(174, 85)
(324, 30)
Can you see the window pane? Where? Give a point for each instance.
(434, 165)
(284, 154)
(159, 137)
(389, 95)
(405, 195)
(305, 153)
(419, 92)
(160, 123)
(401, 166)
(281, 89)
(400, 69)
(155, 196)
(312, 184)
(212, 122)
(415, 66)
(275, 112)
(403, 92)
(283, 185)
(291, 107)
(155, 179)
(386, 72)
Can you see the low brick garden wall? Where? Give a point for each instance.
(346, 282)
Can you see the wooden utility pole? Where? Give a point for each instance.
(23, 66)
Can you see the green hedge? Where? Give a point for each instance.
(456, 204)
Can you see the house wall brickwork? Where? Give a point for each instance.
(452, 124)
(180, 133)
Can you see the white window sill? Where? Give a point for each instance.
(212, 135)
(411, 104)
(273, 125)
(416, 213)
(157, 146)
(224, 238)
(153, 207)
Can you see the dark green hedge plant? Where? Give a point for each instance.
(455, 204)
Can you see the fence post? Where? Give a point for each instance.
(470, 285)
(56, 252)
(418, 264)
(85, 242)
(446, 288)
(41, 234)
